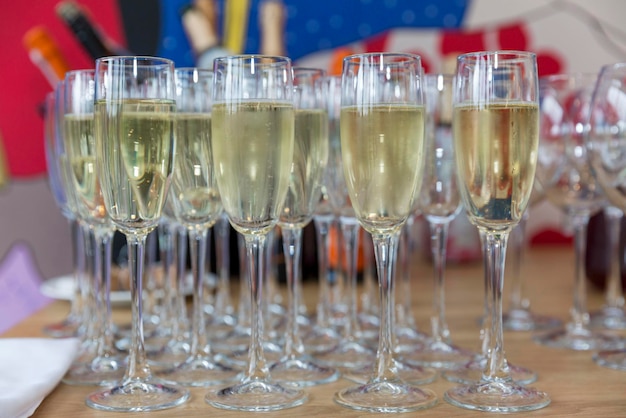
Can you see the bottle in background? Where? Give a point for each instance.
(45, 54)
(92, 39)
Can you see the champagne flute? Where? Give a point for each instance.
(75, 321)
(382, 143)
(605, 140)
(135, 141)
(305, 184)
(102, 365)
(350, 351)
(440, 203)
(252, 131)
(564, 173)
(495, 129)
(197, 206)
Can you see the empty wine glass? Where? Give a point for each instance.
(305, 183)
(564, 174)
(605, 139)
(440, 203)
(495, 129)
(252, 132)
(382, 144)
(135, 141)
(350, 351)
(104, 364)
(197, 206)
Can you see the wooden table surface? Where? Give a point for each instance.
(576, 385)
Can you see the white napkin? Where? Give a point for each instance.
(29, 369)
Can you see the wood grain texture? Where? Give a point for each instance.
(576, 385)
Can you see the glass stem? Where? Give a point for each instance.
(322, 230)
(614, 296)
(256, 249)
(138, 368)
(88, 285)
(103, 238)
(198, 241)
(181, 273)
(495, 252)
(438, 239)
(78, 259)
(244, 307)
(519, 242)
(580, 316)
(165, 234)
(292, 247)
(223, 303)
(386, 249)
(403, 309)
(350, 231)
(485, 330)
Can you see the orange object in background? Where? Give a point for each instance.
(45, 54)
(337, 255)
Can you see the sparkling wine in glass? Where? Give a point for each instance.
(382, 144)
(350, 351)
(197, 205)
(305, 186)
(564, 173)
(135, 120)
(605, 140)
(252, 131)
(74, 324)
(495, 129)
(102, 364)
(439, 202)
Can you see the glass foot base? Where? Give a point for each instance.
(302, 372)
(256, 396)
(386, 397)
(580, 339)
(348, 354)
(435, 354)
(409, 373)
(613, 359)
(199, 371)
(101, 371)
(472, 373)
(138, 396)
(525, 320)
(69, 327)
(499, 396)
(608, 318)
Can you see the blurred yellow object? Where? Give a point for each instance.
(4, 169)
(236, 27)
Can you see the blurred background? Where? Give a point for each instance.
(39, 39)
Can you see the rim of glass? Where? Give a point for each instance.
(274, 60)
(407, 55)
(507, 55)
(71, 73)
(613, 67)
(574, 78)
(134, 58)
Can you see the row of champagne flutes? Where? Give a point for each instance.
(254, 157)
